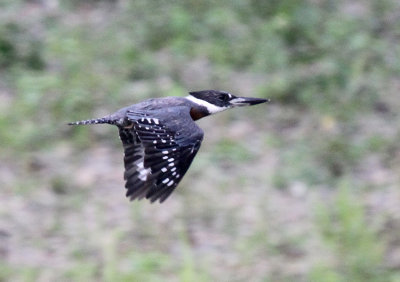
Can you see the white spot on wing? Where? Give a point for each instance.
(143, 172)
(163, 169)
(165, 180)
(170, 183)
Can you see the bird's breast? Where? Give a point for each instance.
(198, 113)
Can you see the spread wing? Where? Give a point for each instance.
(158, 152)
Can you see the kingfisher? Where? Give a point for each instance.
(160, 138)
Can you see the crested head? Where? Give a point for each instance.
(217, 101)
(214, 97)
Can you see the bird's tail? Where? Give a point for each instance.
(93, 121)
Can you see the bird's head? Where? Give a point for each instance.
(217, 101)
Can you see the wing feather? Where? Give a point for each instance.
(157, 153)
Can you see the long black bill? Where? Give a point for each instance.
(247, 101)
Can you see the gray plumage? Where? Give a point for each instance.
(160, 138)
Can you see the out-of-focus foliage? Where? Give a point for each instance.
(330, 135)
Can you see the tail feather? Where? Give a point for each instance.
(93, 121)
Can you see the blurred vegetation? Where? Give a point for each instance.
(331, 68)
(359, 251)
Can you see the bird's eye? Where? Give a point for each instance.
(224, 97)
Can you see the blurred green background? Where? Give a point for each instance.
(306, 188)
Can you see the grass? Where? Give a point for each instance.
(246, 209)
(358, 252)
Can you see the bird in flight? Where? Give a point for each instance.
(160, 138)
